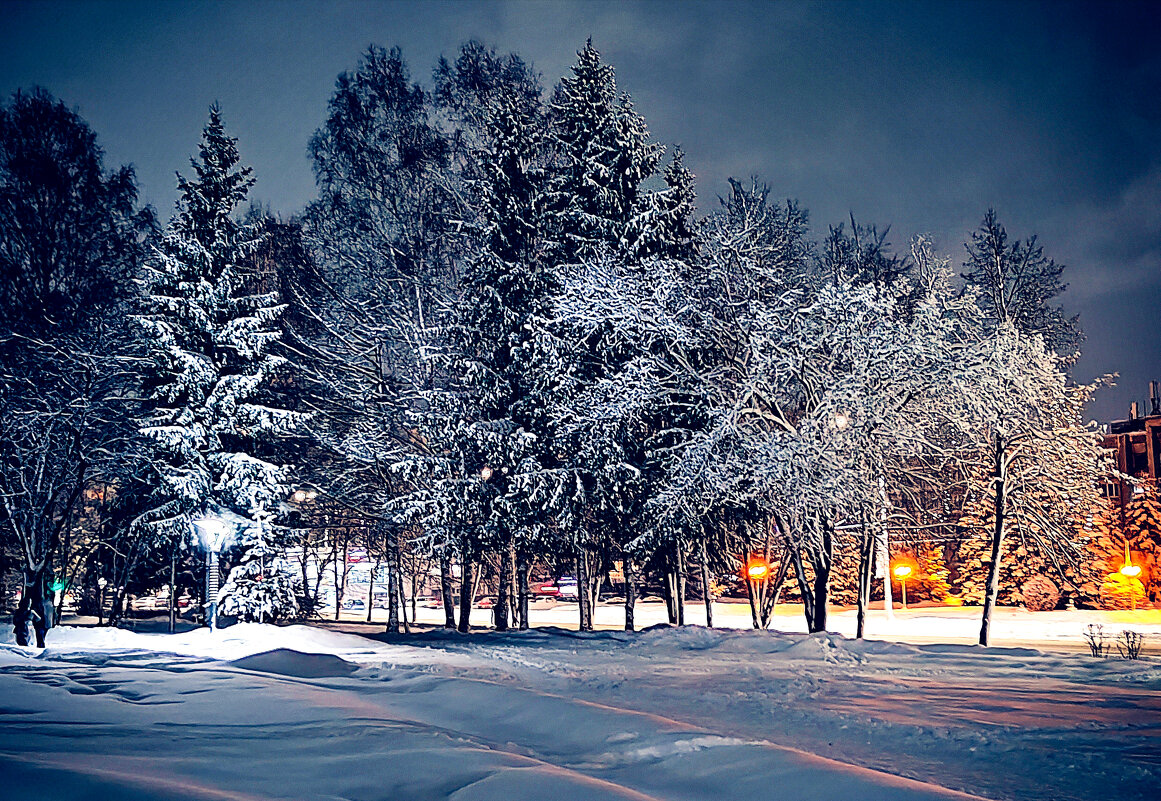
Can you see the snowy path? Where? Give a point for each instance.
(690, 714)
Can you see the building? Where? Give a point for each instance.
(1136, 443)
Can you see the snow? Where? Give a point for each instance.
(259, 711)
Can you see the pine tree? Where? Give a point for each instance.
(208, 367)
(605, 156)
(605, 226)
(487, 429)
(1142, 533)
(1017, 282)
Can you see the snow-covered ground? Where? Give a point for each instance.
(258, 712)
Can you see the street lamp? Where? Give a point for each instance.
(757, 569)
(842, 420)
(902, 572)
(486, 473)
(213, 532)
(1130, 571)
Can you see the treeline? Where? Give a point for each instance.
(502, 333)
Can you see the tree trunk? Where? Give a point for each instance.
(513, 587)
(173, 591)
(393, 583)
(309, 603)
(998, 480)
(58, 600)
(822, 567)
(338, 588)
(866, 571)
(680, 584)
(503, 586)
(668, 591)
(467, 593)
(804, 587)
(371, 589)
(523, 567)
(446, 590)
(29, 608)
(751, 597)
(396, 590)
(883, 547)
(772, 591)
(705, 587)
(630, 594)
(414, 592)
(582, 590)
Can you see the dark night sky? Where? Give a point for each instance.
(920, 115)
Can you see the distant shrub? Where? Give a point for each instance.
(1129, 644)
(1040, 594)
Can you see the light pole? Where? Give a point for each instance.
(212, 532)
(1130, 571)
(101, 583)
(902, 572)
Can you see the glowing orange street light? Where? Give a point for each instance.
(902, 572)
(757, 569)
(1130, 571)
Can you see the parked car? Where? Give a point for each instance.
(568, 590)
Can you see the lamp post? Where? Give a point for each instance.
(212, 531)
(757, 573)
(101, 583)
(902, 572)
(1130, 571)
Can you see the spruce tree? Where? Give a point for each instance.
(1017, 283)
(490, 458)
(209, 369)
(1142, 532)
(605, 155)
(604, 224)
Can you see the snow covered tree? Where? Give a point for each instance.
(380, 237)
(1135, 528)
(861, 256)
(605, 155)
(604, 222)
(1023, 423)
(1142, 532)
(488, 423)
(807, 388)
(208, 367)
(71, 237)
